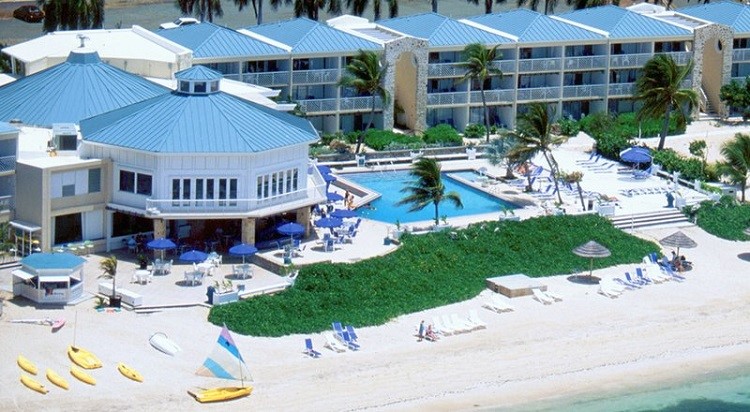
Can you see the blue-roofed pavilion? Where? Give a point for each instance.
(308, 37)
(81, 87)
(211, 41)
(532, 27)
(441, 31)
(55, 278)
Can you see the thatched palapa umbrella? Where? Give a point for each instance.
(678, 240)
(592, 250)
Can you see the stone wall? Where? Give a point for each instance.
(712, 39)
(417, 49)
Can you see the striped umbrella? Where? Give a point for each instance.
(678, 240)
(592, 250)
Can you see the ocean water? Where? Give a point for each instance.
(723, 391)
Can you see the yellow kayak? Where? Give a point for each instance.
(226, 393)
(82, 376)
(32, 384)
(83, 358)
(26, 365)
(129, 372)
(57, 379)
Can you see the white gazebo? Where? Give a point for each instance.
(49, 278)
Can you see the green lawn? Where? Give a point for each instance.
(428, 271)
(726, 219)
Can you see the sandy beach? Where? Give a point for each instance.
(585, 347)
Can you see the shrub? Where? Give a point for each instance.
(339, 146)
(610, 144)
(689, 168)
(475, 131)
(381, 139)
(428, 271)
(726, 218)
(569, 127)
(443, 134)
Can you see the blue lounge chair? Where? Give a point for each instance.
(309, 349)
(636, 281)
(668, 270)
(351, 332)
(627, 284)
(338, 329)
(349, 342)
(643, 277)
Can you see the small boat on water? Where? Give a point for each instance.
(162, 343)
(56, 379)
(26, 365)
(32, 384)
(81, 375)
(129, 372)
(83, 358)
(224, 362)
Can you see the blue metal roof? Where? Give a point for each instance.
(52, 261)
(306, 36)
(208, 40)
(442, 31)
(81, 87)
(729, 13)
(198, 73)
(192, 123)
(7, 128)
(532, 27)
(624, 24)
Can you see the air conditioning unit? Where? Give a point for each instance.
(64, 136)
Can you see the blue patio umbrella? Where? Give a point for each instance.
(636, 155)
(161, 245)
(334, 197)
(194, 256)
(291, 229)
(328, 178)
(243, 250)
(343, 213)
(329, 222)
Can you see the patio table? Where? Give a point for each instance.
(194, 277)
(141, 276)
(206, 267)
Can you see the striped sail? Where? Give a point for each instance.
(225, 361)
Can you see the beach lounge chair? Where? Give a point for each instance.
(465, 323)
(554, 296)
(475, 320)
(440, 328)
(626, 284)
(337, 328)
(352, 333)
(496, 305)
(652, 275)
(502, 303)
(635, 281)
(674, 275)
(610, 289)
(309, 351)
(347, 340)
(458, 327)
(542, 297)
(332, 343)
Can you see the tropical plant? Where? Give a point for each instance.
(498, 150)
(726, 218)
(487, 4)
(204, 10)
(358, 7)
(549, 5)
(737, 97)
(574, 177)
(365, 74)
(736, 164)
(108, 266)
(698, 148)
(72, 14)
(428, 188)
(585, 4)
(534, 135)
(442, 134)
(258, 7)
(312, 8)
(434, 4)
(478, 62)
(660, 89)
(474, 131)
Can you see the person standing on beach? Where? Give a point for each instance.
(420, 334)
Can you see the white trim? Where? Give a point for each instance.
(265, 39)
(25, 226)
(20, 273)
(488, 29)
(48, 279)
(581, 26)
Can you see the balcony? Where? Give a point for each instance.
(267, 78)
(539, 93)
(7, 164)
(493, 96)
(505, 66)
(586, 63)
(629, 60)
(6, 203)
(621, 89)
(740, 55)
(539, 65)
(445, 70)
(447, 99)
(315, 76)
(587, 90)
(312, 106)
(358, 104)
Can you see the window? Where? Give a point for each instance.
(185, 86)
(199, 87)
(127, 181)
(68, 190)
(222, 191)
(209, 188)
(68, 228)
(144, 184)
(95, 180)
(233, 191)
(215, 86)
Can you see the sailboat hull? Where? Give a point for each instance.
(226, 393)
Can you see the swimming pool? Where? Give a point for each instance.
(389, 185)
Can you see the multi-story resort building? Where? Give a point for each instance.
(187, 161)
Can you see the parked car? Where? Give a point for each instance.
(182, 21)
(29, 14)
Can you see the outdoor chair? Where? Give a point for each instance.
(352, 333)
(332, 343)
(458, 327)
(670, 272)
(542, 297)
(349, 342)
(309, 349)
(475, 320)
(626, 284)
(655, 274)
(337, 328)
(640, 282)
(440, 328)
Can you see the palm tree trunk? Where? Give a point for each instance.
(486, 112)
(369, 124)
(487, 6)
(580, 195)
(260, 12)
(553, 171)
(437, 221)
(665, 127)
(744, 187)
(434, 6)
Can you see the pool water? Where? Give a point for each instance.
(389, 185)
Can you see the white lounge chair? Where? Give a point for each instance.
(496, 304)
(542, 297)
(501, 303)
(555, 297)
(457, 327)
(332, 343)
(438, 326)
(474, 319)
(609, 289)
(465, 323)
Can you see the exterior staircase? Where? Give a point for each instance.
(667, 217)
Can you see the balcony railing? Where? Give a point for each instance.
(639, 60)
(739, 55)
(7, 164)
(317, 105)
(539, 65)
(493, 96)
(280, 78)
(359, 103)
(6, 203)
(505, 66)
(587, 90)
(315, 76)
(585, 62)
(539, 93)
(621, 89)
(452, 98)
(445, 70)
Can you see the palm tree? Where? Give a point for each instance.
(500, 149)
(434, 6)
(487, 4)
(660, 90)
(736, 164)
(574, 177)
(534, 135)
(109, 267)
(358, 7)
(72, 14)
(478, 62)
(204, 10)
(549, 5)
(428, 188)
(366, 73)
(312, 8)
(585, 4)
